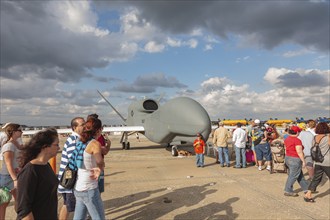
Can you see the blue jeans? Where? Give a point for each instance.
(238, 153)
(89, 200)
(295, 174)
(223, 150)
(6, 180)
(200, 160)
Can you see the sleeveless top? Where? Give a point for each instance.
(325, 150)
(84, 181)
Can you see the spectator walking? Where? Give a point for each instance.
(295, 161)
(306, 138)
(37, 182)
(105, 148)
(220, 139)
(69, 200)
(88, 197)
(322, 131)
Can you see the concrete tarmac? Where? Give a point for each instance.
(146, 182)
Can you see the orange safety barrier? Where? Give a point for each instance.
(52, 163)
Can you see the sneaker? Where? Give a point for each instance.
(221, 165)
(228, 165)
(269, 168)
(259, 168)
(291, 194)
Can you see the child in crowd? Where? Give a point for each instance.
(199, 146)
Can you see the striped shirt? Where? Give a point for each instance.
(69, 147)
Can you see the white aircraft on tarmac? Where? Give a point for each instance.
(176, 122)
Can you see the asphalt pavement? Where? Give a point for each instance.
(147, 182)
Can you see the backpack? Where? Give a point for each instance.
(316, 153)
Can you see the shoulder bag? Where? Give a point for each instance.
(316, 153)
(70, 173)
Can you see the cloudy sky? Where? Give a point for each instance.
(239, 59)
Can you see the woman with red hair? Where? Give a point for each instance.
(88, 197)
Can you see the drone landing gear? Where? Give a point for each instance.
(174, 151)
(126, 146)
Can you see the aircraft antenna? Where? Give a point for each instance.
(111, 106)
(161, 96)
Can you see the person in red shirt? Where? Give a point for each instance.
(295, 160)
(199, 146)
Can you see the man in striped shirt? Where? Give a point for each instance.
(69, 201)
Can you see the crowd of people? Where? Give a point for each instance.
(28, 165)
(298, 139)
(32, 182)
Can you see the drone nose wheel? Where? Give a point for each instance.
(126, 146)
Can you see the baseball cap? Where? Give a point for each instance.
(295, 129)
(257, 121)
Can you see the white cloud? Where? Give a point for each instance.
(297, 78)
(208, 47)
(211, 39)
(153, 47)
(192, 43)
(242, 59)
(135, 28)
(173, 42)
(197, 32)
(76, 16)
(295, 53)
(222, 99)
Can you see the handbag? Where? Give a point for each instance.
(316, 153)
(70, 173)
(5, 195)
(69, 177)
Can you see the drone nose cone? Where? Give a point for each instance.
(188, 117)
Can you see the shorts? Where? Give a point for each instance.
(70, 201)
(6, 180)
(263, 151)
(101, 182)
(309, 161)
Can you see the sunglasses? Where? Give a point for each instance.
(19, 130)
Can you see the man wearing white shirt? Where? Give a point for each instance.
(239, 140)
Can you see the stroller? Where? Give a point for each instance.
(278, 156)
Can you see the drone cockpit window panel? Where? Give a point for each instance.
(150, 105)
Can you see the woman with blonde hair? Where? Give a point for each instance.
(9, 170)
